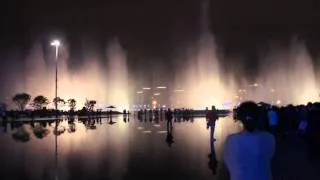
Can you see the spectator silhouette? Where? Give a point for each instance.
(247, 154)
(211, 116)
(169, 138)
(213, 163)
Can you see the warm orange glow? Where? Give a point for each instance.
(108, 86)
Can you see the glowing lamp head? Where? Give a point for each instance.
(55, 43)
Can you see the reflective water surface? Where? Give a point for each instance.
(128, 148)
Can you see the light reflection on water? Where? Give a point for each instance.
(122, 150)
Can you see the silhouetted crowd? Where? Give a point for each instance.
(168, 114)
(302, 120)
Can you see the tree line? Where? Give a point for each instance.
(21, 100)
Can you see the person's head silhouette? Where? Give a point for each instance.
(248, 114)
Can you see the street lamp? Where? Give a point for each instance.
(56, 44)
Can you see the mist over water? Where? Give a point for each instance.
(91, 80)
(118, 80)
(287, 75)
(203, 82)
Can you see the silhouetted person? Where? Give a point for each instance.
(140, 116)
(313, 130)
(169, 138)
(110, 122)
(212, 116)
(273, 120)
(282, 123)
(213, 163)
(247, 154)
(150, 116)
(110, 114)
(169, 115)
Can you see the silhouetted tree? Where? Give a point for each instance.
(21, 135)
(72, 104)
(40, 131)
(21, 100)
(90, 104)
(40, 102)
(60, 102)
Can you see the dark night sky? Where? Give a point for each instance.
(155, 28)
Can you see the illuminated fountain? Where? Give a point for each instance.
(203, 83)
(118, 86)
(286, 77)
(93, 81)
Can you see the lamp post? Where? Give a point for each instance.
(56, 44)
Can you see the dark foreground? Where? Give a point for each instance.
(134, 149)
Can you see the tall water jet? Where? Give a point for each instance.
(118, 87)
(39, 76)
(91, 79)
(77, 84)
(202, 80)
(287, 77)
